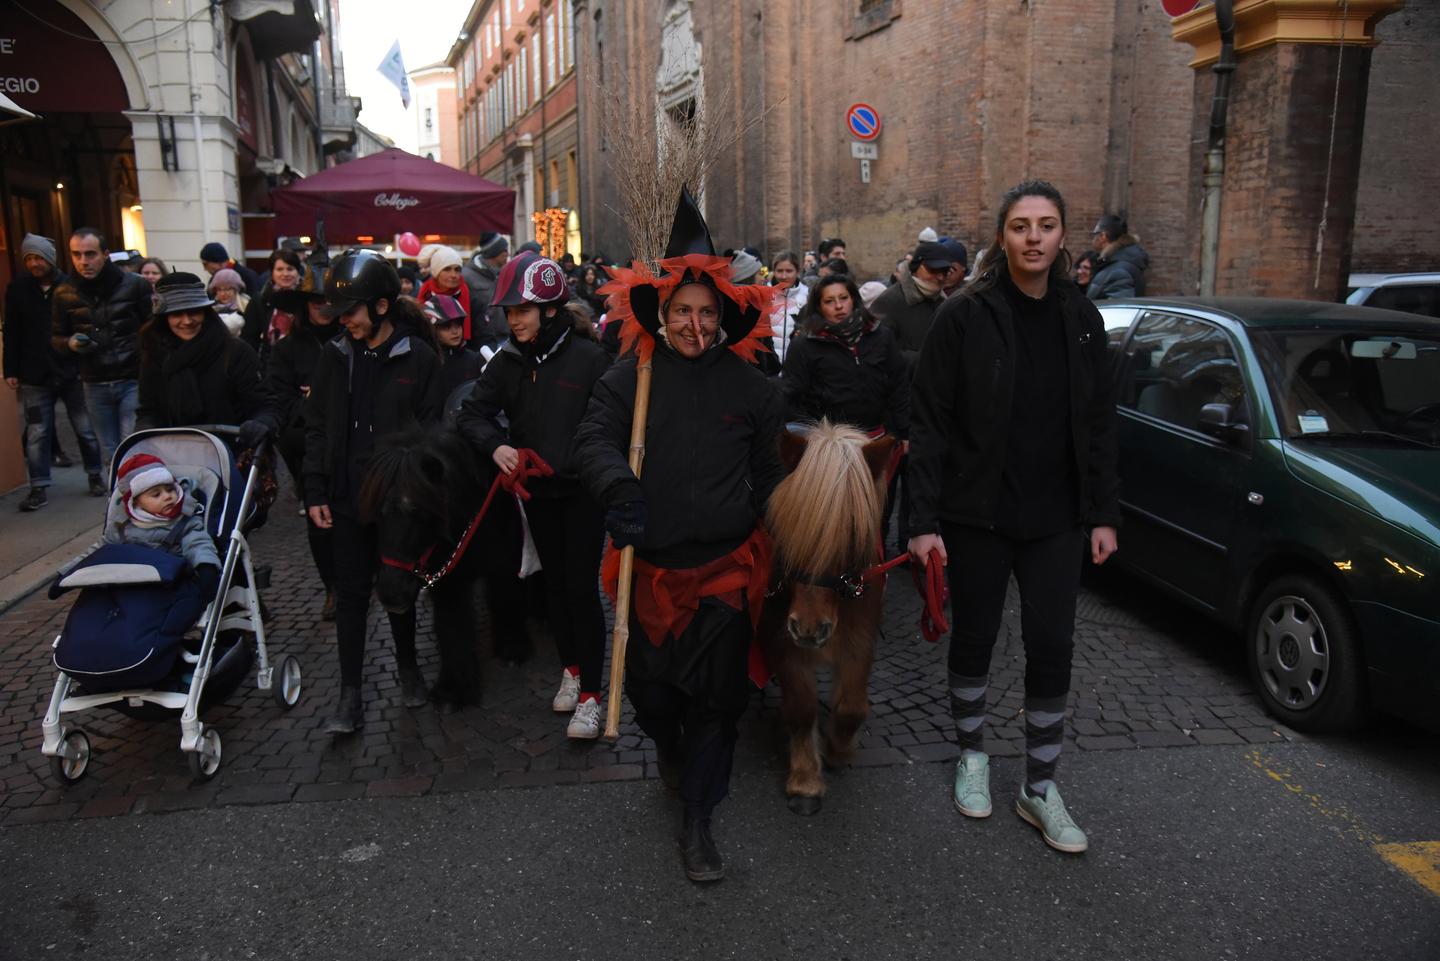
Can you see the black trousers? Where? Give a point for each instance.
(357, 557)
(569, 534)
(1047, 571)
(321, 541)
(696, 715)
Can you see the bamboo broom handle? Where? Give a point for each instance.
(621, 636)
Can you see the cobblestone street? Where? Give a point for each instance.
(1147, 675)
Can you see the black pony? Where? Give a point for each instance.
(421, 490)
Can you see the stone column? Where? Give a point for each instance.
(1288, 207)
(177, 221)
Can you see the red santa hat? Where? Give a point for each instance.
(140, 472)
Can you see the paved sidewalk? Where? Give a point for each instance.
(34, 545)
(1147, 675)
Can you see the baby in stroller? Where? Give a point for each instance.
(157, 512)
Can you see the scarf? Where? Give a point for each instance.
(143, 518)
(182, 368)
(925, 287)
(848, 331)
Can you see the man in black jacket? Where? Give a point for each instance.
(908, 306)
(487, 323)
(372, 382)
(41, 374)
(711, 463)
(96, 317)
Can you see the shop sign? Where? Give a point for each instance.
(51, 62)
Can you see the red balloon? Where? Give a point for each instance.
(409, 244)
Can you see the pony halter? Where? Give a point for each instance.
(531, 465)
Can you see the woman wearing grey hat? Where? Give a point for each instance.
(191, 370)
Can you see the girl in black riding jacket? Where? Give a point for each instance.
(1013, 457)
(846, 366)
(541, 381)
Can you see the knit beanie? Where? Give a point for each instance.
(743, 267)
(41, 246)
(422, 259)
(493, 247)
(870, 290)
(443, 257)
(214, 253)
(140, 472)
(225, 277)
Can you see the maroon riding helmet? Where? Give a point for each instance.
(530, 279)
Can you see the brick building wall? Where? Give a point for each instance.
(974, 96)
(1094, 95)
(1276, 162)
(1399, 172)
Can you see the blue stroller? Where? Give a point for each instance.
(140, 639)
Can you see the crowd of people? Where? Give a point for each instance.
(992, 380)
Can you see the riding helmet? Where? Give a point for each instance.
(360, 276)
(528, 278)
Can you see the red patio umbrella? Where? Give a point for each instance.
(391, 192)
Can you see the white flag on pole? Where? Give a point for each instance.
(393, 69)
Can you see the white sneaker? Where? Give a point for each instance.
(586, 721)
(569, 694)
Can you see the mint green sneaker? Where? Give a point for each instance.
(972, 785)
(1049, 815)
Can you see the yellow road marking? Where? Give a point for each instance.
(1419, 859)
(1350, 824)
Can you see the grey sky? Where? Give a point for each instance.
(425, 29)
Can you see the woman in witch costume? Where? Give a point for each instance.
(711, 461)
(541, 382)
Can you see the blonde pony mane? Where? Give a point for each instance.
(825, 517)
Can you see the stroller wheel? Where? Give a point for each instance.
(205, 763)
(285, 682)
(73, 760)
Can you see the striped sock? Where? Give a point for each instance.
(1044, 736)
(967, 707)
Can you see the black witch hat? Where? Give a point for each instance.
(689, 234)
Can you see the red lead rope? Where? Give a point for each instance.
(531, 465)
(932, 588)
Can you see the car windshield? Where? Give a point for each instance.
(1366, 384)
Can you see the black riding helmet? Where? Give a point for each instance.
(360, 276)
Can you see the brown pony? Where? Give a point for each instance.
(825, 519)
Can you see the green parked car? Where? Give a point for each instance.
(1280, 471)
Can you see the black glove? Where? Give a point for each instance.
(252, 433)
(626, 523)
(207, 579)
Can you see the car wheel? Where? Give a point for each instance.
(1304, 654)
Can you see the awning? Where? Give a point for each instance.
(392, 192)
(277, 26)
(11, 112)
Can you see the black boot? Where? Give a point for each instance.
(349, 715)
(671, 762)
(697, 848)
(413, 692)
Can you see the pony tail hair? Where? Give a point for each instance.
(825, 517)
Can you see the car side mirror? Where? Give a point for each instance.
(1216, 420)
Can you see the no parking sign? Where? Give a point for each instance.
(863, 121)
